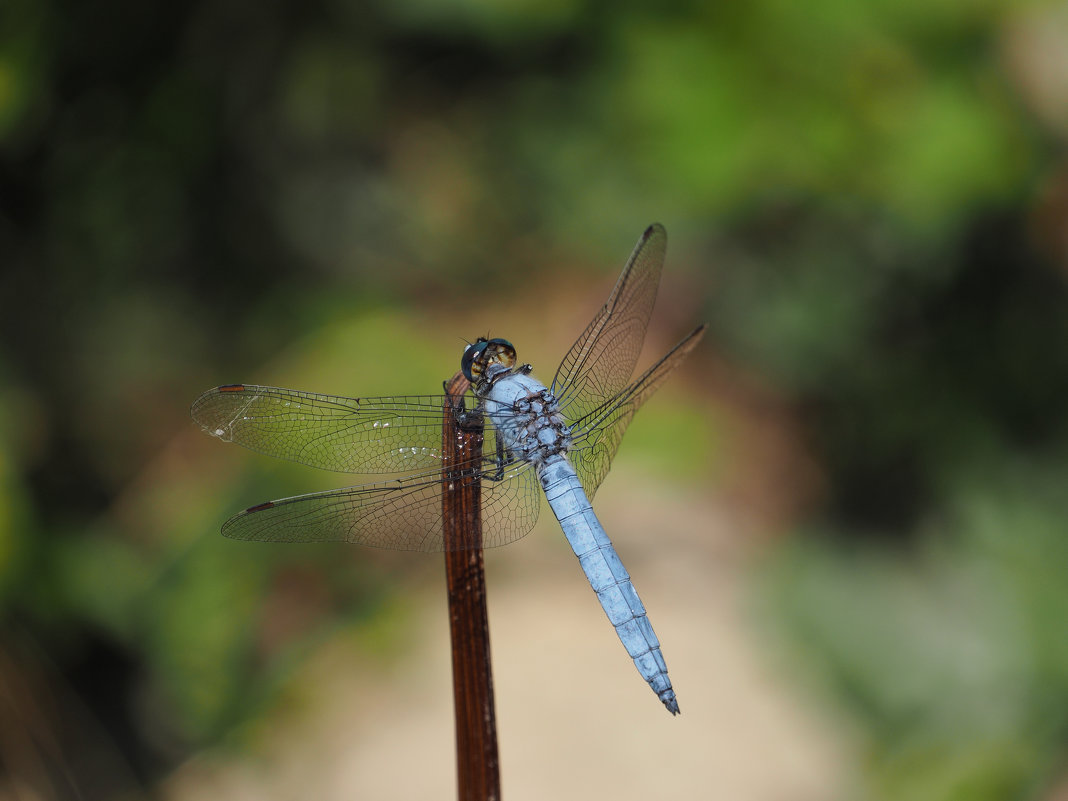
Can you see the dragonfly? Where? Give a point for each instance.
(557, 441)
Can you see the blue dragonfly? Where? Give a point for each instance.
(556, 441)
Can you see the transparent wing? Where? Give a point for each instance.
(348, 435)
(596, 436)
(601, 362)
(399, 515)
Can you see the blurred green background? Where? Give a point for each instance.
(868, 202)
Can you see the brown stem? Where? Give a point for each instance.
(472, 678)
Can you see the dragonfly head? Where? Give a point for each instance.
(484, 353)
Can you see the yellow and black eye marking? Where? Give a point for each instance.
(484, 352)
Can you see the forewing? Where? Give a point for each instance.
(348, 435)
(600, 363)
(596, 437)
(398, 515)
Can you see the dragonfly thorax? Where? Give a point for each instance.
(526, 416)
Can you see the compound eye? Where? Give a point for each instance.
(483, 353)
(471, 364)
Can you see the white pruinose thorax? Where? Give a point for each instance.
(525, 414)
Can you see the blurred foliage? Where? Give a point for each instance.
(954, 655)
(320, 194)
